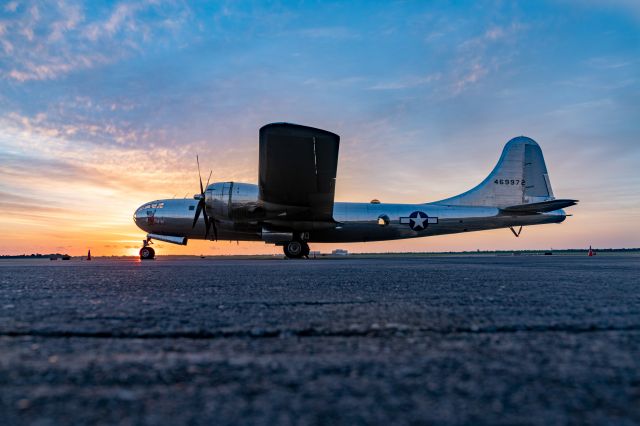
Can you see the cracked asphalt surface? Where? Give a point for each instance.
(446, 340)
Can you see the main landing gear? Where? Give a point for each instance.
(296, 249)
(146, 252)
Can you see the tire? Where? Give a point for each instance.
(147, 253)
(305, 250)
(294, 249)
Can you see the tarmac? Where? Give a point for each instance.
(432, 340)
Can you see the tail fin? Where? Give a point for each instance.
(520, 177)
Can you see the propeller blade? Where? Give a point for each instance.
(202, 207)
(197, 216)
(199, 177)
(207, 223)
(210, 173)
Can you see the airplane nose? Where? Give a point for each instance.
(145, 215)
(139, 215)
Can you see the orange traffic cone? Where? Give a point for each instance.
(89, 255)
(590, 251)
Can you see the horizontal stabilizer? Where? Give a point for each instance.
(541, 207)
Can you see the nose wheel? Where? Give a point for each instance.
(296, 249)
(146, 252)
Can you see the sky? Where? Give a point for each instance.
(104, 106)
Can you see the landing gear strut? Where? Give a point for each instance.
(296, 249)
(146, 252)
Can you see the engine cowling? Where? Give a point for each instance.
(232, 200)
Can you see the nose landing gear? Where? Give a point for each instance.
(146, 252)
(296, 249)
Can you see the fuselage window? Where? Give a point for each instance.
(192, 207)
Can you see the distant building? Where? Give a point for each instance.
(340, 252)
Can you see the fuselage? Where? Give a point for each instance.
(232, 203)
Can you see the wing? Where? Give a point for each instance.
(298, 167)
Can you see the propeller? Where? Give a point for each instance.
(201, 208)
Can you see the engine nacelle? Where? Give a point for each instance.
(232, 200)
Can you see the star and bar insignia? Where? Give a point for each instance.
(418, 220)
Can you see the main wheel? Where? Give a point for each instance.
(147, 253)
(294, 249)
(305, 250)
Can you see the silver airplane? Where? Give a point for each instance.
(293, 203)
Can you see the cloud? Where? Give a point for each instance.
(472, 73)
(319, 83)
(90, 121)
(11, 6)
(32, 210)
(478, 56)
(608, 62)
(628, 8)
(72, 18)
(55, 67)
(122, 18)
(494, 33)
(331, 33)
(407, 82)
(27, 170)
(62, 164)
(47, 41)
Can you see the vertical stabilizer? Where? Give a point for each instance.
(520, 177)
